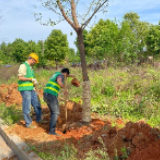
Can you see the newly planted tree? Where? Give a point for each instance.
(78, 13)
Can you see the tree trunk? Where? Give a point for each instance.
(86, 106)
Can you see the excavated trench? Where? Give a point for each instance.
(138, 140)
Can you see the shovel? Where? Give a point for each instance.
(36, 90)
(65, 126)
(62, 99)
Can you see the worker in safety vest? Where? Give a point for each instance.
(26, 85)
(50, 95)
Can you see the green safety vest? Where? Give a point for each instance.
(52, 86)
(26, 85)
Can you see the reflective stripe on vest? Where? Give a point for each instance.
(55, 84)
(26, 85)
(53, 89)
(52, 86)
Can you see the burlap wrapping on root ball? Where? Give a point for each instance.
(75, 82)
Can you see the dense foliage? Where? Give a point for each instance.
(56, 46)
(131, 92)
(128, 41)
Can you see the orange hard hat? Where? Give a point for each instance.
(34, 56)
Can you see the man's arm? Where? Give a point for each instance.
(22, 72)
(71, 76)
(60, 83)
(22, 78)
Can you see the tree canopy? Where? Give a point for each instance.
(56, 46)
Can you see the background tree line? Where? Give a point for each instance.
(128, 41)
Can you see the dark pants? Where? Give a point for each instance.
(53, 105)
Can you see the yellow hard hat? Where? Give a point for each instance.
(34, 56)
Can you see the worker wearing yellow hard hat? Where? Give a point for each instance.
(34, 56)
(26, 85)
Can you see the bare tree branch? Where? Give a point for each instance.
(49, 4)
(74, 16)
(87, 12)
(52, 9)
(51, 22)
(77, 2)
(65, 16)
(95, 11)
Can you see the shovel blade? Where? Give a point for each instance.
(64, 128)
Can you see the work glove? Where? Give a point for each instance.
(34, 81)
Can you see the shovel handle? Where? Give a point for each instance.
(65, 98)
(60, 98)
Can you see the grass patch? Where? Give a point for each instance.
(69, 152)
(128, 92)
(10, 115)
(66, 152)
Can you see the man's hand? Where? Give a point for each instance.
(71, 76)
(34, 81)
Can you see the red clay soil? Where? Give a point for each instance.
(10, 95)
(141, 141)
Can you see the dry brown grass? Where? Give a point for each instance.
(7, 72)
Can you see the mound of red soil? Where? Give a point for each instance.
(137, 140)
(10, 95)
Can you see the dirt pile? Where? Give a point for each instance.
(145, 141)
(136, 141)
(132, 140)
(10, 95)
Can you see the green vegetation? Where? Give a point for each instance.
(56, 46)
(69, 152)
(130, 92)
(10, 115)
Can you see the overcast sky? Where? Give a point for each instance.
(18, 20)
